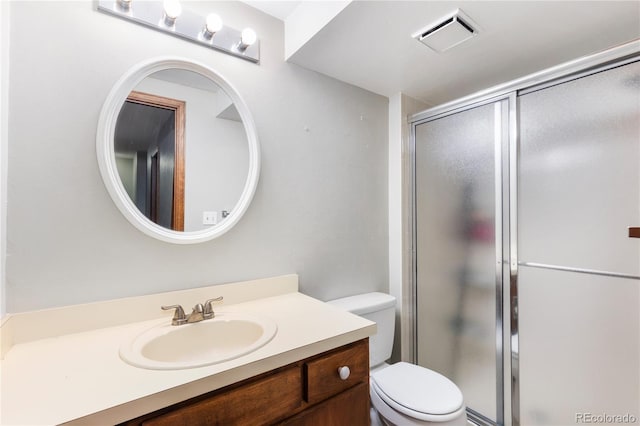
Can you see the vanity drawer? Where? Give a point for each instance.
(322, 376)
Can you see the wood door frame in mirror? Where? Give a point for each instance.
(179, 109)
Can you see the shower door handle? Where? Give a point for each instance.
(634, 232)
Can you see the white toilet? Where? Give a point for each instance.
(402, 393)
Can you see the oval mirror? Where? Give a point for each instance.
(178, 150)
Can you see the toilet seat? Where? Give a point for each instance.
(417, 392)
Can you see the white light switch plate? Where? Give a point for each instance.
(209, 218)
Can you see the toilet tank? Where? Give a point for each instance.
(379, 308)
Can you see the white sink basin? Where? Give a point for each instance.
(225, 337)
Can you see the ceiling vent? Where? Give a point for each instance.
(448, 32)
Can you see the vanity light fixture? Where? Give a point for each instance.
(170, 17)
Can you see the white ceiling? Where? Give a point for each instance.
(369, 43)
(279, 9)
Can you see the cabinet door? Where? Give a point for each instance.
(254, 403)
(350, 408)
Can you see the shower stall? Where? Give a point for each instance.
(526, 278)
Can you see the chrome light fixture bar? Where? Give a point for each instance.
(169, 17)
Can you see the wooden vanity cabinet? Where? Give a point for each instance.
(308, 392)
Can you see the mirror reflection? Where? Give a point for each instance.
(181, 150)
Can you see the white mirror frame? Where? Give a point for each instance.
(107, 160)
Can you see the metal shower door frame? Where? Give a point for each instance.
(504, 113)
(508, 380)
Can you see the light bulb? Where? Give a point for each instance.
(248, 37)
(213, 23)
(172, 9)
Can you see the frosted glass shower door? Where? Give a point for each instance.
(579, 273)
(458, 196)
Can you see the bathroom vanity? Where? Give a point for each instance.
(308, 392)
(72, 371)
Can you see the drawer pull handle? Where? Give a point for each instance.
(344, 372)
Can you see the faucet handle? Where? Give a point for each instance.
(179, 317)
(208, 308)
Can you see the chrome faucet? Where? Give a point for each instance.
(199, 313)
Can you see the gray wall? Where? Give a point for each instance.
(320, 208)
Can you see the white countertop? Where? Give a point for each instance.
(80, 377)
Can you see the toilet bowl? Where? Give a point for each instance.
(407, 394)
(402, 393)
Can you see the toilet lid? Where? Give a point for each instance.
(417, 389)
